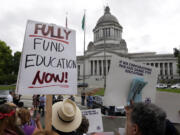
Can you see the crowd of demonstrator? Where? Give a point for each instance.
(67, 119)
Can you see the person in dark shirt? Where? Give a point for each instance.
(83, 97)
(145, 119)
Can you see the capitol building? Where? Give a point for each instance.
(107, 42)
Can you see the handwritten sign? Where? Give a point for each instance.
(95, 120)
(48, 62)
(121, 75)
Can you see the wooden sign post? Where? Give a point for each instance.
(48, 114)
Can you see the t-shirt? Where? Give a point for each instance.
(9, 98)
(42, 101)
(28, 129)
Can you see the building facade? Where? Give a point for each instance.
(107, 42)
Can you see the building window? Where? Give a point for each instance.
(100, 68)
(109, 63)
(79, 71)
(91, 67)
(171, 68)
(161, 65)
(156, 64)
(161, 72)
(106, 32)
(166, 69)
(152, 64)
(104, 67)
(95, 69)
(116, 32)
(161, 68)
(97, 34)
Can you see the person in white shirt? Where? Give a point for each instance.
(9, 97)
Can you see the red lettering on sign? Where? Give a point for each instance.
(50, 30)
(50, 77)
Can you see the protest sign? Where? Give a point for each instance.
(95, 120)
(127, 78)
(48, 61)
(122, 131)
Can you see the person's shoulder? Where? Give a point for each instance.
(29, 128)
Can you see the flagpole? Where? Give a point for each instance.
(66, 20)
(84, 65)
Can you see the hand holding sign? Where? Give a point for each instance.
(135, 93)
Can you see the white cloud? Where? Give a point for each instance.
(148, 25)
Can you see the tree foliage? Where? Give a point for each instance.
(9, 64)
(5, 59)
(177, 54)
(16, 61)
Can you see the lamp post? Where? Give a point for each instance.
(104, 63)
(84, 65)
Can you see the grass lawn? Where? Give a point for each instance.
(101, 91)
(169, 90)
(7, 87)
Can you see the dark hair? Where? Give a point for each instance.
(170, 128)
(20, 104)
(149, 118)
(24, 115)
(84, 126)
(9, 122)
(61, 132)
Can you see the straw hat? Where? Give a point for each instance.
(66, 116)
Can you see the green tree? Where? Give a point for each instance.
(16, 62)
(177, 54)
(6, 63)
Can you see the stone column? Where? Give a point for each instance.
(111, 32)
(106, 67)
(101, 33)
(102, 67)
(93, 67)
(163, 67)
(168, 72)
(98, 67)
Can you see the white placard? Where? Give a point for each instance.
(95, 120)
(48, 61)
(121, 74)
(122, 131)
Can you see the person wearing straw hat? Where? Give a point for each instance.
(66, 117)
